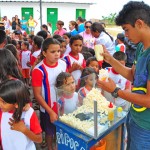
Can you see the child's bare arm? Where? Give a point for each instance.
(41, 101)
(20, 126)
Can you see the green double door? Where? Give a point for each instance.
(52, 16)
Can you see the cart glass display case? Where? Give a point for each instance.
(86, 109)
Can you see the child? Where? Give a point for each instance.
(43, 82)
(119, 80)
(9, 66)
(25, 58)
(93, 63)
(62, 47)
(87, 83)
(67, 37)
(37, 43)
(19, 129)
(75, 60)
(134, 19)
(120, 43)
(68, 98)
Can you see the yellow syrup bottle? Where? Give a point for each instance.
(110, 112)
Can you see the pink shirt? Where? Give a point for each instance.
(88, 39)
(60, 32)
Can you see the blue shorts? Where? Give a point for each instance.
(31, 29)
(138, 138)
(48, 127)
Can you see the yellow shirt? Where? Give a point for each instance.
(31, 22)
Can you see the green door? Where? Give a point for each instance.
(80, 13)
(52, 16)
(26, 12)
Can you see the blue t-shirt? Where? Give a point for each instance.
(23, 24)
(74, 32)
(141, 76)
(81, 28)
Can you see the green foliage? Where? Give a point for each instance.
(110, 19)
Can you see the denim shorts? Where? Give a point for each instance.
(31, 29)
(137, 138)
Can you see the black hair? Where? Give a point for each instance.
(26, 43)
(8, 65)
(121, 37)
(14, 91)
(62, 79)
(76, 37)
(132, 11)
(59, 22)
(9, 40)
(31, 36)
(46, 44)
(45, 26)
(38, 41)
(88, 22)
(98, 27)
(120, 56)
(2, 36)
(89, 60)
(61, 39)
(13, 49)
(43, 34)
(85, 73)
(14, 42)
(68, 34)
(80, 19)
(86, 55)
(56, 36)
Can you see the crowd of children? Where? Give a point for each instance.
(63, 69)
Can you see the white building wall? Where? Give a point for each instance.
(66, 11)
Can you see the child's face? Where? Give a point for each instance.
(52, 54)
(63, 48)
(23, 46)
(90, 80)
(71, 27)
(94, 65)
(76, 47)
(69, 85)
(6, 107)
(132, 33)
(66, 39)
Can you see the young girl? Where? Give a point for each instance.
(68, 97)
(73, 26)
(18, 128)
(67, 37)
(87, 82)
(8, 66)
(93, 63)
(43, 82)
(75, 60)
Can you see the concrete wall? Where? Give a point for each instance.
(66, 11)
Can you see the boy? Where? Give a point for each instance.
(120, 81)
(135, 20)
(120, 43)
(25, 58)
